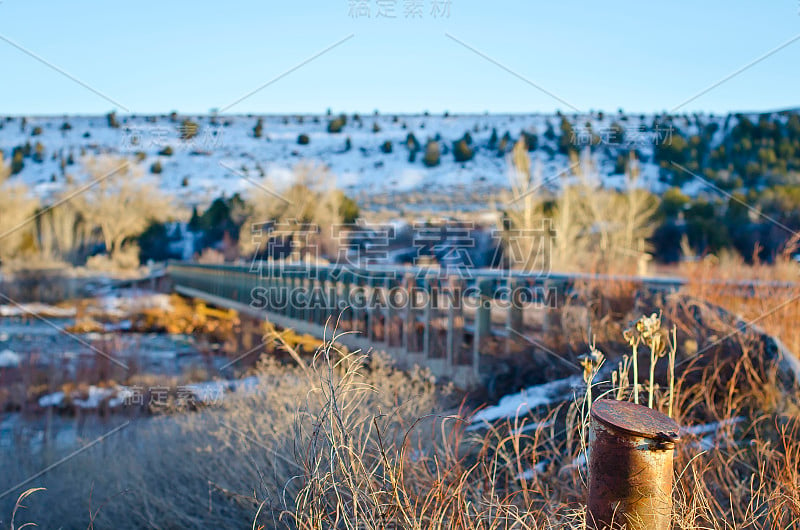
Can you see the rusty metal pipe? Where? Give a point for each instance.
(630, 467)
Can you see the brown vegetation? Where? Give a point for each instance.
(342, 441)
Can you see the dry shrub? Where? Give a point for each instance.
(216, 467)
(344, 441)
(773, 304)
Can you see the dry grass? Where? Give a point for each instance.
(343, 441)
(773, 305)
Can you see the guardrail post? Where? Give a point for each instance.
(274, 286)
(281, 289)
(389, 310)
(300, 285)
(247, 286)
(346, 309)
(630, 467)
(370, 312)
(515, 316)
(311, 286)
(553, 296)
(483, 322)
(409, 322)
(454, 319)
(321, 298)
(427, 316)
(360, 320)
(291, 278)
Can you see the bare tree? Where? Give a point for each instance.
(522, 210)
(310, 204)
(16, 210)
(546, 229)
(119, 202)
(616, 223)
(592, 227)
(640, 207)
(5, 169)
(62, 231)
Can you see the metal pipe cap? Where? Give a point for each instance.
(637, 420)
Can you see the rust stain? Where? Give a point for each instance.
(630, 467)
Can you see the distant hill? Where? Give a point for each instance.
(198, 158)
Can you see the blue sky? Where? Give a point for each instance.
(193, 56)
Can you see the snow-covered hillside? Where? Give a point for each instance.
(226, 157)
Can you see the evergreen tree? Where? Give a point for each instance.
(432, 154)
(337, 124)
(412, 143)
(348, 209)
(462, 152)
(616, 134)
(504, 145)
(566, 143)
(17, 161)
(155, 244)
(493, 139)
(38, 153)
(194, 221)
(550, 133)
(111, 117)
(531, 140)
(188, 129)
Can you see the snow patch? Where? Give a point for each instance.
(711, 427)
(514, 405)
(36, 309)
(9, 359)
(51, 400)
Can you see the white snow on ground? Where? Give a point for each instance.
(515, 405)
(123, 302)
(51, 400)
(38, 309)
(96, 396)
(124, 325)
(714, 437)
(195, 173)
(123, 395)
(9, 359)
(711, 427)
(207, 392)
(210, 392)
(528, 474)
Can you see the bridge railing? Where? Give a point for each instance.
(445, 319)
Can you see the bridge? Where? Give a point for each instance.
(444, 320)
(439, 319)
